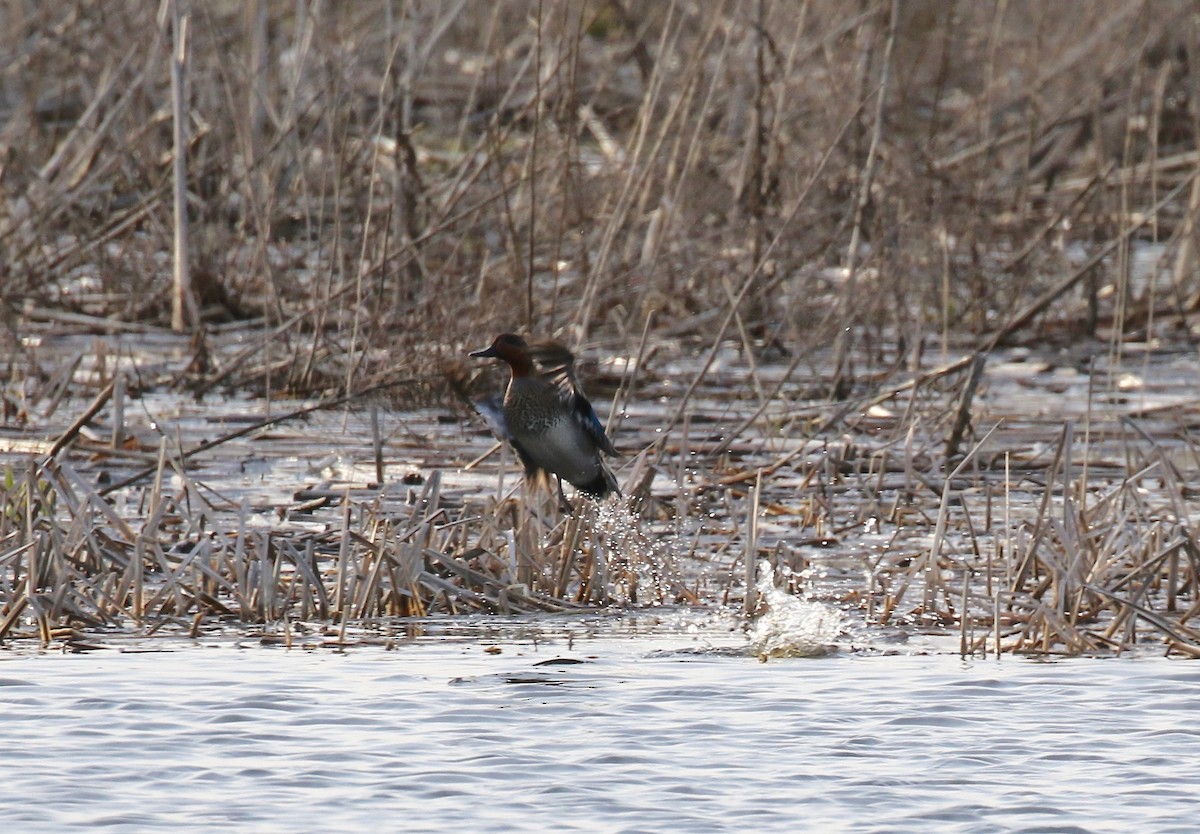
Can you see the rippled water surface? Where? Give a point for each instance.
(651, 732)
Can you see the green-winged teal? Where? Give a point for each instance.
(546, 417)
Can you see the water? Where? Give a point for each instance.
(790, 626)
(678, 730)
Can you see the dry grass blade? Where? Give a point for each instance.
(788, 241)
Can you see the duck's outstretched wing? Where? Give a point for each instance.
(491, 408)
(556, 365)
(488, 406)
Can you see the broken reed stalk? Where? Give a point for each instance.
(377, 444)
(183, 313)
(88, 413)
(928, 565)
(962, 416)
(750, 604)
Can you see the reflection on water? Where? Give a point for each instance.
(551, 730)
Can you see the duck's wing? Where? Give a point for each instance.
(491, 408)
(591, 423)
(488, 406)
(556, 365)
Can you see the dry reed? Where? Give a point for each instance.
(811, 227)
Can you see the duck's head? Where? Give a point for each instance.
(512, 349)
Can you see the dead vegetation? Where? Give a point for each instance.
(812, 228)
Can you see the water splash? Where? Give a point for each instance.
(642, 566)
(791, 626)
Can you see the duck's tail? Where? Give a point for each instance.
(604, 485)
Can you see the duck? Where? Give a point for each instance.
(546, 418)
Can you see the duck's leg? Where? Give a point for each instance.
(563, 503)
